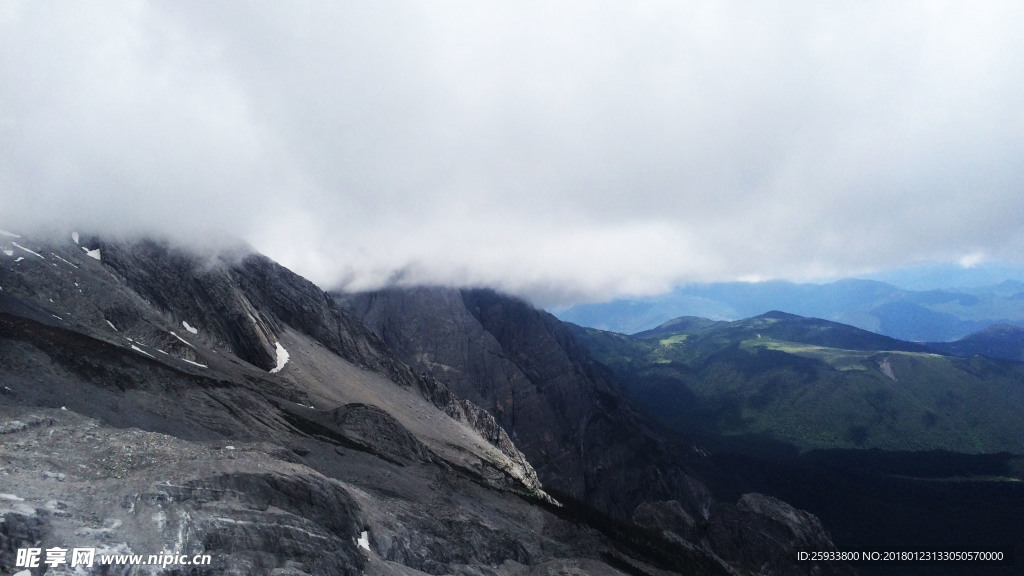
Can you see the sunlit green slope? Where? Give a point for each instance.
(809, 383)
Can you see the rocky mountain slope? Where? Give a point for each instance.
(155, 399)
(568, 415)
(159, 398)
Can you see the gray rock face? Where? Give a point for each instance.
(128, 492)
(258, 508)
(245, 300)
(226, 297)
(669, 516)
(263, 517)
(763, 534)
(563, 410)
(20, 529)
(567, 414)
(373, 429)
(240, 304)
(126, 430)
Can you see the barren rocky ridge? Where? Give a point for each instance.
(147, 406)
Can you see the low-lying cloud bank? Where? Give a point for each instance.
(565, 153)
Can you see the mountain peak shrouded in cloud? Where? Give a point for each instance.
(565, 153)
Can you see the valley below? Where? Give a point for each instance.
(890, 443)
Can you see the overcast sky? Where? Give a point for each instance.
(565, 151)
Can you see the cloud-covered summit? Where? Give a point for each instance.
(565, 152)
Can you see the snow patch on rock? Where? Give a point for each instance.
(282, 358)
(189, 328)
(27, 250)
(137, 349)
(186, 342)
(63, 260)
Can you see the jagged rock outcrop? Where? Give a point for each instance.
(373, 429)
(762, 534)
(245, 300)
(563, 410)
(21, 526)
(259, 518)
(669, 516)
(226, 296)
(568, 415)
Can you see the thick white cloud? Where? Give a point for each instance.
(563, 151)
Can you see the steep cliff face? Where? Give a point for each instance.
(561, 408)
(567, 414)
(242, 301)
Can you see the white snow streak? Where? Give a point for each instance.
(20, 258)
(6, 233)
(189, 328)
(137, 349)
(92, 253)
(9, 252)
(61, 259)
(195, 363)
(282, 358)
(74, 236)
(111, 324)
(27, 250)
(364, 540)
(182, 339)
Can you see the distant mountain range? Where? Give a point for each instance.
(811, 383)
(997, 341)
(936, 315)
(885, 440)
